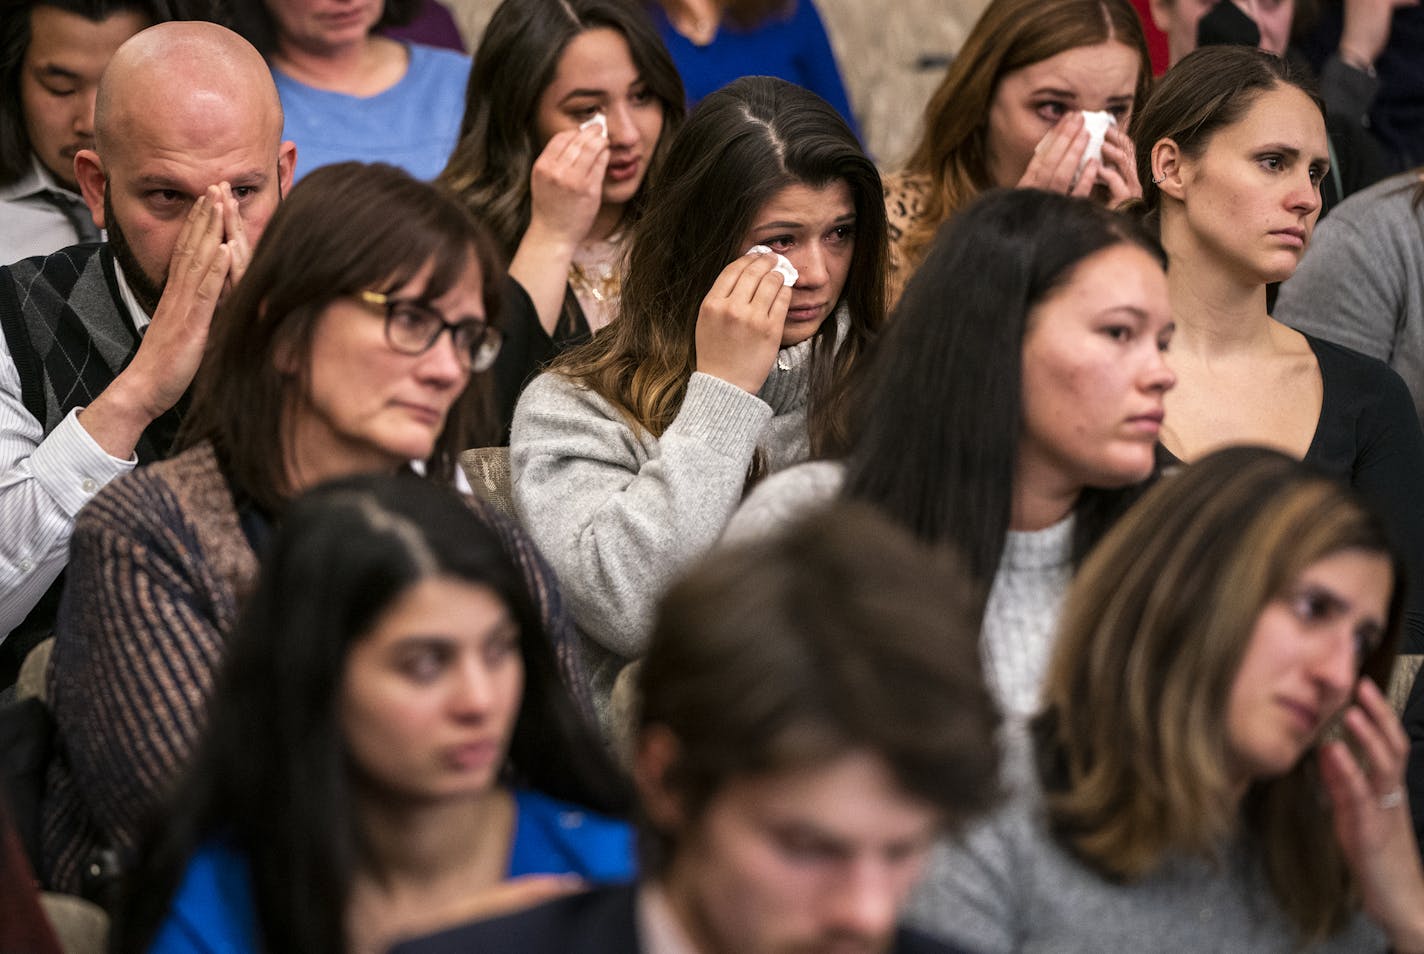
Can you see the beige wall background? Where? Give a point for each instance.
(880, 45)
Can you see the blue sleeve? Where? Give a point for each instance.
(554, 837)
(817, 62)
(212, 911)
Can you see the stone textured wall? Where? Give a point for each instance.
(881, 47)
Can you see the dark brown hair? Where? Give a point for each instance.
(345, 228)
(842, 634)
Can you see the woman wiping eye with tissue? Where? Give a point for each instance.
(571, 104)
(754, 284)
(1041, 96)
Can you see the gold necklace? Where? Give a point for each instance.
(602, 288)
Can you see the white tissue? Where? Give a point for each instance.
(1097, 124)
(599, 120)
(789, 274)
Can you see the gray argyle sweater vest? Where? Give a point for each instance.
(69, 335)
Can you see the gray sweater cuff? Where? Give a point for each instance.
(720, 415)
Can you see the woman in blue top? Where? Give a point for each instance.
(350, 93)
(390, 750)
(716, 41)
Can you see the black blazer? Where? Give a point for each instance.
(601, 921)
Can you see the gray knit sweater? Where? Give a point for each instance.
(1021, 615)
(1007, 887)
(619, 513)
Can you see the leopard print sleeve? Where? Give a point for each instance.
(904, 204)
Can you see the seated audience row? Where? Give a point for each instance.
(1016, 405)
(1228, 618)
(106, 618)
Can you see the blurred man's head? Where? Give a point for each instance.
(814, 714)
(181, 106)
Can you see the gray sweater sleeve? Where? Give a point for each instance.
(970, 894)
(1361, 285)
(783, 498)
(1345, 289)
(617, 513)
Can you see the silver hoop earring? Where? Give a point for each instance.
(1158, 180)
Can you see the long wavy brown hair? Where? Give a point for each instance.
(516, 61)
(1010, 35)
(741, 146)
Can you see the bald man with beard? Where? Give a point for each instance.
(100, 342)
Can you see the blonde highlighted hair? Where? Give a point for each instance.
(1132, 740)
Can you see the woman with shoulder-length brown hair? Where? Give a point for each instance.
(1011, 112)
(349, 347)
(630, 454)
(1175, 791)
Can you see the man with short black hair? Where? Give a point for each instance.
(813, 716)
(51, 57)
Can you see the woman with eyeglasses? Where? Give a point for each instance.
(352, 345)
